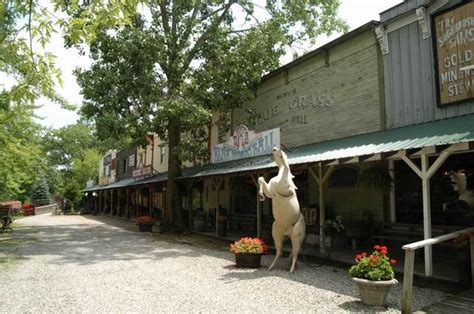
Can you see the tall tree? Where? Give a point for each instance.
(165, 73)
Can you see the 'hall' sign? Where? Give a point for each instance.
(454, 46)
(244, 144)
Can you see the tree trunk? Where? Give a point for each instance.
(174, 212)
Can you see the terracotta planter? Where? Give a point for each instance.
(374, 293)
(145, 228)
(248, 260)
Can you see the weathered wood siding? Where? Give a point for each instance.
(410, 83)
(334, 94)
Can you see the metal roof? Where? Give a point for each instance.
(442, 132)
(129, 182)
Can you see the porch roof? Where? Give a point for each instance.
(371, 146)
(128, 182)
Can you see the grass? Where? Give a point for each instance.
(9, 245)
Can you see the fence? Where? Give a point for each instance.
(52, 208)
(407, 295)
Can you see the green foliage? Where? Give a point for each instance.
(376, 266)
(376, 177)
(40, 192)
(20, 154)
(72, 192)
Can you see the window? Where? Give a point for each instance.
(162, 154)
(124, 166)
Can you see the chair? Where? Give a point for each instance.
(312, 228)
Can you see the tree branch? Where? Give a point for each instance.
(30, 14)
(202, 39)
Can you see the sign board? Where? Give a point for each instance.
(454, 48)
(245, 144)
(131, 160)
(142, 172)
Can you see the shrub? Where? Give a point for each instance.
(376, 266)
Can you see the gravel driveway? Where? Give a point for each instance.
(79, 264)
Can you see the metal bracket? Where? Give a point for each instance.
(382, 38)
(424, 21)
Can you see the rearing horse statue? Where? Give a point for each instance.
(289, 221)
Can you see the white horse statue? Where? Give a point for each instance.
(459, 179)
(289, 221)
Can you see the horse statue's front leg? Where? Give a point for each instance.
(263, 189)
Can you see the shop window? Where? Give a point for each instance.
(344, 177)
(162, 154)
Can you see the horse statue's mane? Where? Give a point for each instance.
(460, 184)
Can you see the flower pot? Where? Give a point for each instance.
(248, 260)
(200, 224)
(222, 229)
(145, 228)
(374, 293)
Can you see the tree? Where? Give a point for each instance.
(166, 73)
(40, 192)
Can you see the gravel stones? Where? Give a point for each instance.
(77, 264)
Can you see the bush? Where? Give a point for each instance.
(249, 246)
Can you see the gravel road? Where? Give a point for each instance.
(55, 264)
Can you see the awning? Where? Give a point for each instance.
(129, 182)
(437, 133)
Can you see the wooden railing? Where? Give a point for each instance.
(407, 294)
(51, 208)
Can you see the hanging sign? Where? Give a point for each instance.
(244, 144)
(142, 172)
(454, 46)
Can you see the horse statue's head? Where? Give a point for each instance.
(280, 157)
(459, 180)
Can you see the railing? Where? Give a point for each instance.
(46, 209)
(407, 295)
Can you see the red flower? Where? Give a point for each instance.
(393, 261)
(383, 252)
(377, 247)
(363, 254)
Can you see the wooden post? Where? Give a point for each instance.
(259, 210)
(407, 294)
(471, 240)
(425, 181)
(190, 204)
(137, 200)
(127, 202)
(391, 169)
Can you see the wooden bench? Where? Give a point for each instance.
(242, 222)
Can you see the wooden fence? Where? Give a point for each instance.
(51, 208)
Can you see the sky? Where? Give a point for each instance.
(354, 12)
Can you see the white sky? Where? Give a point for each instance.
(355, 12)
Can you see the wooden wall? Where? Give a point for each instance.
(334, 94)
(409, 67)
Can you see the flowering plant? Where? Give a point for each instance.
(376, 266)
(249, 246)
(145, 220)
(461, 242)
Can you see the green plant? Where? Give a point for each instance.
(145, 220)
(376, 266)
(461, 242)
(376, 177)
(248, 245)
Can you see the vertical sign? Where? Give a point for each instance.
(454, 46)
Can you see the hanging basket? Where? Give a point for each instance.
(248, 260)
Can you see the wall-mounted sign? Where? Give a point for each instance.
(131, 160)
(454, 47)
(142, 172)
(244, 144)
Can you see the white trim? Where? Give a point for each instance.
(424, 21)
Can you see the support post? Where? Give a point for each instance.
(425, 181)
(259, 210)
(407, 294)
(393, 214)
(471, 241)
(127, 202)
